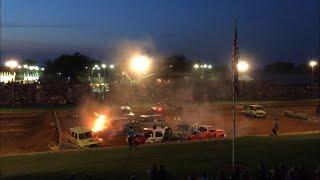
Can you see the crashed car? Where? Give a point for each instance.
(167, 109)
(255, 111)
(151, 120)
(140, 138)
(126, 111)
(164, 134)
(83, 138)
(206, 132)
(157, 135)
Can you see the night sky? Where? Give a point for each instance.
(269, 30)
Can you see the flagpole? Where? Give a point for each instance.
(235, 56)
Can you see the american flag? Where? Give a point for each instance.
(235, 57)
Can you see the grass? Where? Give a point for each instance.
(180, 159)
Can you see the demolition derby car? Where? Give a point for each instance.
(255, 111)
(83, 138)
(126, 111)
(167, 109)
(206, 132)
(157, 135)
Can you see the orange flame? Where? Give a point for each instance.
(100, 123)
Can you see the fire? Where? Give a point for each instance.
(100, 123)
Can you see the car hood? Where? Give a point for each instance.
(260, 112)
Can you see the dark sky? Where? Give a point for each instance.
(269, 30)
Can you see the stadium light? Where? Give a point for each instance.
(312, 63)
(11, 64)
(140, 63)
(103, 66)
(196, 66)
(209, 66)
(242, 66)
(111, 66)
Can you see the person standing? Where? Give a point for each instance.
(130, 136)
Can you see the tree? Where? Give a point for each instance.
(70, 66)
(280, 67)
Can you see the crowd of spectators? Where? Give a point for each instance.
(278, 172)
(61, 92)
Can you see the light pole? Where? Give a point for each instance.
(104, 72)
(242, 67)
(312, 63)
(203, 68)
(12, 64)
(111, 67)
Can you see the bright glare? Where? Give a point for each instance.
(205, 66)
(103, 66)
(313, 63)
(209, 66)
(25, 66)
(242, 66)
(100, 123)
(140, 63)
(196, 66)
(11, 63)
(111, 66)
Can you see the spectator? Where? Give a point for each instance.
(220, 175)
(162, 174)
(153, 172)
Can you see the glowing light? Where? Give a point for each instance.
(196, 66)
(11, 63)
(313, 63)
(96, 66)
(100, 123)
(209, 66)
(25, 66)
(103, 66)
(242, 66)
(205, 66)
(111, 66)
(6, 77)
(140, 63)
(42, 69)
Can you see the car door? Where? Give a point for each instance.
(158, 136)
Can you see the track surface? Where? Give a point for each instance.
(32, 132)
(26, 132)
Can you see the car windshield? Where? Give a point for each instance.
(258, 108)
(86, 135)
(125, 111)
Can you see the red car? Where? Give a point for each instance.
(207, 132)
(140, 138)
(167, 109)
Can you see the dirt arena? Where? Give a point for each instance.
(26, 132)
(32, 132)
